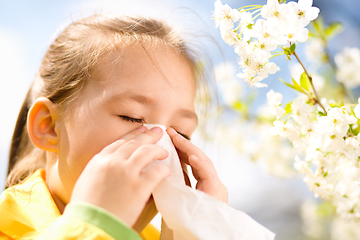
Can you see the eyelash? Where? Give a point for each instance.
(185, 136)
(140, 120)
(130, 119)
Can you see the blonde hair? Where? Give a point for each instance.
(66, 66)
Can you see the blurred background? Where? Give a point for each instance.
(27, 28)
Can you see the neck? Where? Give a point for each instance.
(49, 182)
(60, 204)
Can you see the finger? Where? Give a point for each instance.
(185, 148)
(135, 139)
(144, 155)
(187, 179)
(186, 174)
(132, 134)
(154, 175)
(202, 169)
(150, 136)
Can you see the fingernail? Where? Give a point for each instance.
(180, 137)
(156, 129)
(173, 131)
(195, 157)
(142, 129)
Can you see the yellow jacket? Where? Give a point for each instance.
(28, 211)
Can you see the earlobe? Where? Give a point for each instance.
(41, 124)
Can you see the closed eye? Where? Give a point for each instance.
(185, 136)
(130, 119)
(140, 120)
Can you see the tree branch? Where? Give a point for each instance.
(317, 99)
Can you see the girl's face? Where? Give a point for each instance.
(126, 89)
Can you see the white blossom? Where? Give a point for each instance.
(295, 32)
(225, 16)
(357, 109)
(274, 101)
(333, 143)
(251, 81)
(348, 63)
(276, 13)
(276, 155)
(336, 122)
(304, 11)
(229, 36)
(344, 229)
(285, 130)
(300, 111)
(349, 75)
(330, 151)
(301, 166)
(268, 34)
(352, 149)
(349, 56)
(316, 157)
(314, 50)
(255, 64)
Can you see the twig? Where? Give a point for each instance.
(317, 99)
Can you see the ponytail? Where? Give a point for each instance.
(22, 150)
(20, 129)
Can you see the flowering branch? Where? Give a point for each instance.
(329, 139)
(317, 99)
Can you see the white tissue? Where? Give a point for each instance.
(194, 215)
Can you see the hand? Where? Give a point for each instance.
(202, 167)
(115, 179)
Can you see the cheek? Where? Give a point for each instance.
(82, 138)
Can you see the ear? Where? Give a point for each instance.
(41, 124)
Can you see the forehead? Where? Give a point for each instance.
(139, 63)
(155, 77)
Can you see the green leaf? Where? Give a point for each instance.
(305, 82)
(288, 84)
(313, 34)
(321, 114)
(288, 108)
(319, 25)
(297, 86)
(292, 48)
(333, 105)
(333, 29)
(286, 50)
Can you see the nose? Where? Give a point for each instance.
(151, 125)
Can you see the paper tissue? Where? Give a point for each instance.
(195, 215)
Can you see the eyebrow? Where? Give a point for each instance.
(144, 100)
(141, 99)
(188, 114)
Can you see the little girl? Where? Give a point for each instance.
(79, 157)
